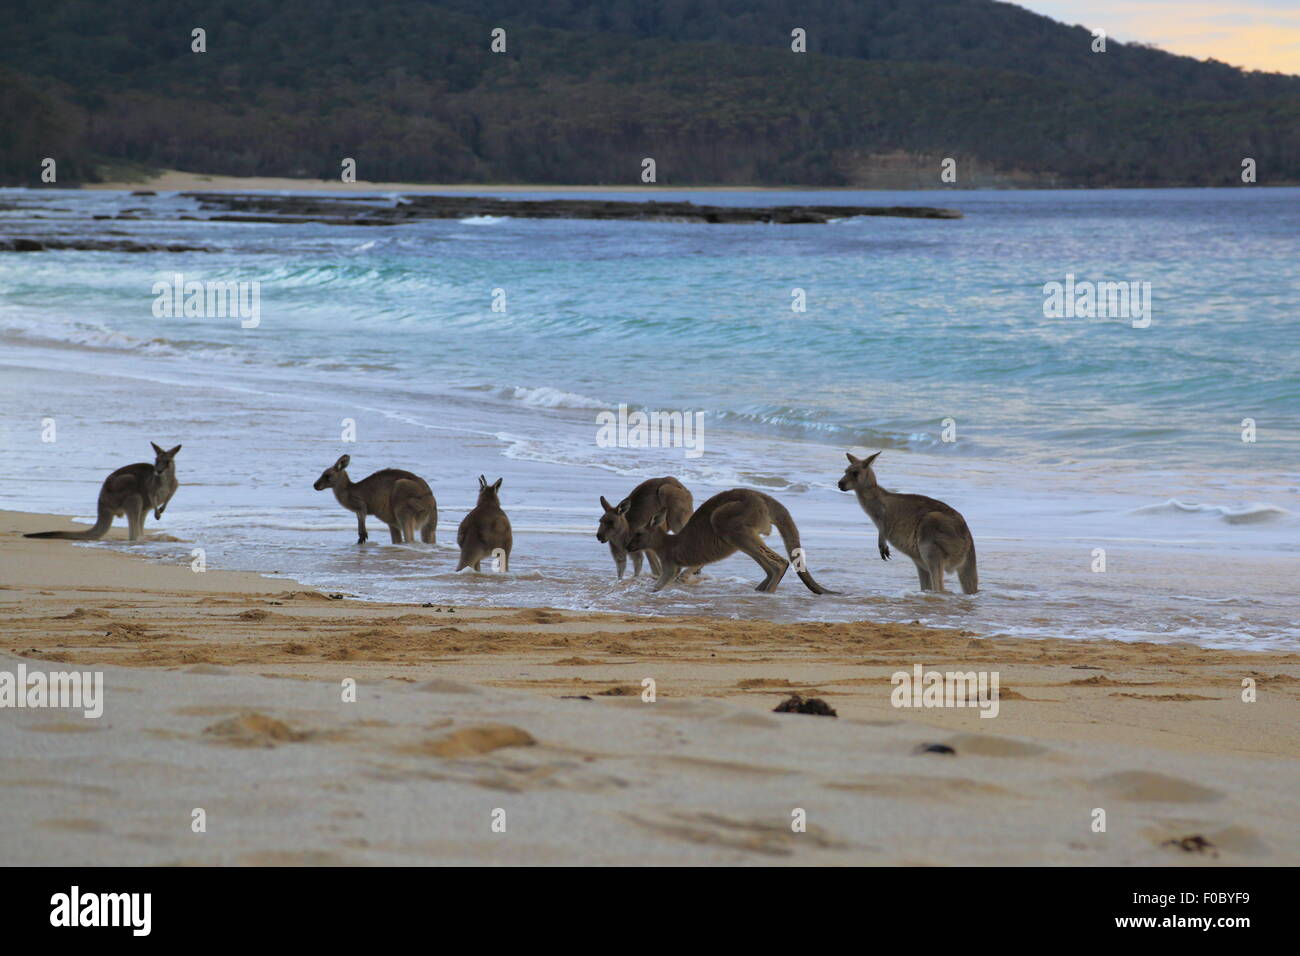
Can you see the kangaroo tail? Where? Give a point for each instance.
(102, 524)
(790, 536)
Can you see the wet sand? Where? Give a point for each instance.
(225, 692)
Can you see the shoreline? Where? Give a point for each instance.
(480, 708)
(172, 180)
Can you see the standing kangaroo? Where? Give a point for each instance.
(929, 532)
(485, 531)
(634, 512)
(728, 522)
(131, 490)
(398, 498)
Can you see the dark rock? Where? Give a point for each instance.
(377, 211)
(795, 704)
(936, 749)
(1193, 844)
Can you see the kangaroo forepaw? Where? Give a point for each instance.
(884, 552)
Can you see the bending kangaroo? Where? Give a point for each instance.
(485, 531)
(634, 512)
(929, 532)
(728, 522)
(132, 491)
(398, 498)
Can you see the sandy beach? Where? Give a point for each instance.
(168, 180)
(225, 692)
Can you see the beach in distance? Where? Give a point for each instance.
(1132, 483)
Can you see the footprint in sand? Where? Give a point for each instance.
(253, 730)
(986, 745)
(254, 614)
(440, 685)
(211, 669)
(473, 741)
(921, 787)
(769, 837)
(1146, 786)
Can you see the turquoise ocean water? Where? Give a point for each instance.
(1072, 435)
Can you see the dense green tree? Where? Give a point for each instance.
(589, 87)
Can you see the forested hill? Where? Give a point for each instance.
(587, 88)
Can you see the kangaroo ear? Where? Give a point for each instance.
(605, 504)
(343, 462)
(482, 482)
(853, 460)
(157, 450)
(497, 485)
(173, 452)
(624, 506)
(872, 458)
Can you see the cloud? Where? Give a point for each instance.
(1256, 34)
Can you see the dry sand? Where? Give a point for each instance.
(224, 692)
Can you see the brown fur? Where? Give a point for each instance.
(728, 522)
(634, 512)
(485, 531)
(132, 491)
(399, 499)
(929, 532)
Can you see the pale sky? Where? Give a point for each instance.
(1256, 34)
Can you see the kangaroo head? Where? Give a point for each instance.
(488, 492)
(334, 474)
(652, 535)
(613, 523)
(858, 476)
(163, 460)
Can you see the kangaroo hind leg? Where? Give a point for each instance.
(136, 509)
(933, 557)
(774, 566)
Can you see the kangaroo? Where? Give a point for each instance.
(728, 522)
(929, 532)
(485, 531)
(398, 498)
(635, 511)
(131, 490)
